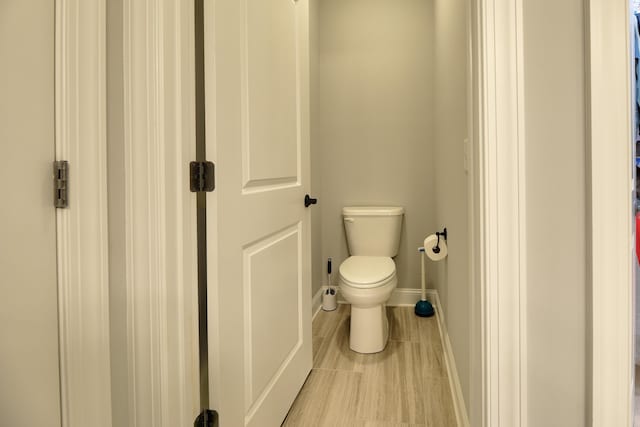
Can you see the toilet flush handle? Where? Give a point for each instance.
(349, 220)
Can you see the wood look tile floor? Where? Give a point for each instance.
(405, 385)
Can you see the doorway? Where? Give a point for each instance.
(263, 132)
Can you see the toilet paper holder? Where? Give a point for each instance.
(443, 233)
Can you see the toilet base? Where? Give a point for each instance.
(369, 329)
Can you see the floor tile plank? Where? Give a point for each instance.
(431, 347)
(316, 344)
(325, 322)
(335, 353)
(327, 399)
(403, 324)
(428, 330)
(392, 385)
(439, 403)
(406, 385)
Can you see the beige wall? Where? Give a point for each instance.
(317, 263)
(372, 129)
(556, 211)
(451, 180)
(29, 362)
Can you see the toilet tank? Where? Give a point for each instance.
(373, 230)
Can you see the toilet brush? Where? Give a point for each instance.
(329, 297)
(423, 307)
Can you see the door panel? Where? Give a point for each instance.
(29, 377)
(273, 333)
(270, 98)
(270, 275)
(257, 226)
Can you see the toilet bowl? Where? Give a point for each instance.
(368, 277)
(367, 282)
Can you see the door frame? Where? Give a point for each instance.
(498, 221)
(158, 225)
(158, 212)
(82, 235)
(498, 250)
(610, 226)
(611, 229)
(499, 379)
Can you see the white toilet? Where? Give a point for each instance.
(368, 276)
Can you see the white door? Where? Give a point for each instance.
(29, 377)
(258, 230)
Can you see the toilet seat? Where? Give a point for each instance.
(366, 272)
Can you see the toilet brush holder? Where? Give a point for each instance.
(329, 296)
(329, 299)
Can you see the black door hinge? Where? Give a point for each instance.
(203, 176)
(207, 418)
(61, 184)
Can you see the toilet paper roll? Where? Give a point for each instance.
(430, 243)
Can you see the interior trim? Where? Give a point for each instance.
(500, 231)
(449, 359)
(160, 213)
(82, 235)
(611, 229)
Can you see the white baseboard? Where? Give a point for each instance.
(454, 381)
(401, 297)
(407, 297)
(316, 302)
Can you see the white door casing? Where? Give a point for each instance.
(257, 124)
(158, 229)
(499, 231)
(82, 247)
(611, 192)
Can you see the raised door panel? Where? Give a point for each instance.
(270, 92)
(273, 312)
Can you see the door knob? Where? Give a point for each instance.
(308, 201)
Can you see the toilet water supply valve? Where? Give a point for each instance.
(329, 297)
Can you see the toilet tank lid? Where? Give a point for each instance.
(372, 211)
